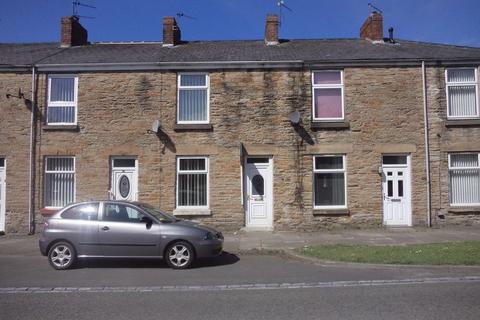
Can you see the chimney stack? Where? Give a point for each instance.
(72, 32)
(372, 28)
(271, 29)
(171, 32)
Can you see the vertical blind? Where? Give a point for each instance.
(464, 179)
(62, 104)
(192, 183)
(461, 86)
(193, 98)
(59, 181)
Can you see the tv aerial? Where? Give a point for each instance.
(75, 7)
(281, 4)
(370, 5)
(183, 15)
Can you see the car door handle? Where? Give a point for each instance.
(105, 228)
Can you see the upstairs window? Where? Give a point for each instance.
(59, 181)
(329, 182)
(462, 93)
(193, 98)
(464, 172)
(327, 91)
(192, 182)
(62, 100)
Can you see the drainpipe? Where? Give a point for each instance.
(427, 146)
(31, 209)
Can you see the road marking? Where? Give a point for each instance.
(232, 287)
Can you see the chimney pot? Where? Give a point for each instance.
(271, 29)
(372, 28)
(171, 32)
(72, 32)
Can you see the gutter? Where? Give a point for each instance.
(31, 202)
(427, 146)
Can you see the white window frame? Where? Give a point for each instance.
(343, 170)
(460, 168)
(455, 84)
(56, 171)
(53, 104)
(180, 87)
(328, 86)
(179, 172)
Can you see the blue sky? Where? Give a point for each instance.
(443, 21)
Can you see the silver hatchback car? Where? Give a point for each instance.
(123, 229)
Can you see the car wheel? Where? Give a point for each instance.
(180, 255)
(61, 255)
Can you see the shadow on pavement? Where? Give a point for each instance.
(224, 259)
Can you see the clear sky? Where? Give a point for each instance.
(443, 21)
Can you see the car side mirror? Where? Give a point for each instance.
(147, 221)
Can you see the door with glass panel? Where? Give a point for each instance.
(396, 190)
(124, 179)
(259, 193)
(2, 194)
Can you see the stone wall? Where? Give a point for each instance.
(383, 106)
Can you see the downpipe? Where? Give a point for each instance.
(31, 209)
(427, 145)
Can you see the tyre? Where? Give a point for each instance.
(62, 255)
(180, 255)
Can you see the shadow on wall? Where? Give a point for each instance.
(167, 142)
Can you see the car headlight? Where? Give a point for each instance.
(209, 236)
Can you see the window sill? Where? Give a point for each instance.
(46, 212)
(52, 127)
(464, 210)
(462, 123)
(330, 125)
(192, 212)
(192, 126)
(331, 212)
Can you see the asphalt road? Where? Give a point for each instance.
(232, 287)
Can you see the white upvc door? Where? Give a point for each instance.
(2, 195)
(124, 180)
(259, 193)
(396, 193)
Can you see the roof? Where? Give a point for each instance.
(304, 51)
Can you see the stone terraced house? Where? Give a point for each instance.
(263, 134)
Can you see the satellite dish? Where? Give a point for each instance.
(294, 117)
(156, 126)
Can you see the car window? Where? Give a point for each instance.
(121, 213)
(87, 211)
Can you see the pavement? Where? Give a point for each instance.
(251, 241)
(285, 240)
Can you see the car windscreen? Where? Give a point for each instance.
(160, 215)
